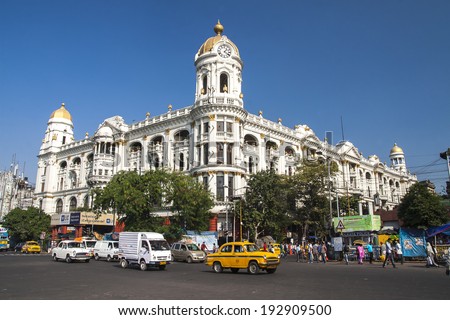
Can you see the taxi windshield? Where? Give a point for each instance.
(251, 247)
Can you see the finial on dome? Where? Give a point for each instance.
(63, 105)
(218, 28)
(169, 107)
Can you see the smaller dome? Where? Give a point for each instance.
(210, 42)
(104, 132)
(396, 149)
(61, 113)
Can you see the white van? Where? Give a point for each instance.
(106, 249)
(147, 249)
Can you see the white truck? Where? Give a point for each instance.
(147, 249)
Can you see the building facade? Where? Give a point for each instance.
(15, 191)
(216, 140)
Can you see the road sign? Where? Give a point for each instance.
(340, 225)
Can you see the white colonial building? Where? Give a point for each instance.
(216, 140)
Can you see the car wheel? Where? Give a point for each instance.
(143, 265)
(96, 257)
(124, 263)
(108, 258)
(271, 270)
(235, 270)
(55, 258)
(68, 259)
(253, 268)
(217, 267)
(162, 267)
(172, 258)
(87, 260)
(189, 259)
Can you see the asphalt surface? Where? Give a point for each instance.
(37, 277)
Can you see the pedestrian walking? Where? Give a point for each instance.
(370, 252)
(315, 251)
(389, 254)
(431, 254)
(398, 251)
(346, 251)
(323, 252)
(360, 251)
(447, 262)
(310, 253)
(382, 251)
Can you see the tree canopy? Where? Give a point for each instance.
(138, 198)
(24, 225)
(421, 208)
(308, 202)
(265, 203)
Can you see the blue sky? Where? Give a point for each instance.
(383, 66)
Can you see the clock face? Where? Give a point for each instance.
(224, 51)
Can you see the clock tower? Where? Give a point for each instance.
(218, 71)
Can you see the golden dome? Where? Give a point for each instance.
(61, 113)
(210, 42)
(396, 149)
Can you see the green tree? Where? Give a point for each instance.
(136, 199)
(264, 210)
(308, 202)
(421, 208)
(190, 201)
(27, 224)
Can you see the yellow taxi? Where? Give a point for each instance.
(31, 247)
(242, 255)
(276, 248)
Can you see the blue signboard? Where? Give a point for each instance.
(74, 218)
(413, 242)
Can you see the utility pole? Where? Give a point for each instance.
(446, 156)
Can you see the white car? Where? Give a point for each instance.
(71, 250)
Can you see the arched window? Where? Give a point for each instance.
(86, 202)
(250, 165)
(205, 85)
(73, 204)
(205, 153)
(223, 83)
(59, 206)
(230, 154)
(181, 161)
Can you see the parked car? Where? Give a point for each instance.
(18, 247)
(242, 255)
(188, 252)
(106, 249)
(70, 250)
(31, 247)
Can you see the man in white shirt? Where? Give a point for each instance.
(389, 254)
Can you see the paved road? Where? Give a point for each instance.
(38, 277)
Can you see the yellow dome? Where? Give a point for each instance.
(61, 113)
(396, 149)
(210, 42)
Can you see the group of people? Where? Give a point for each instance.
(308, 252)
